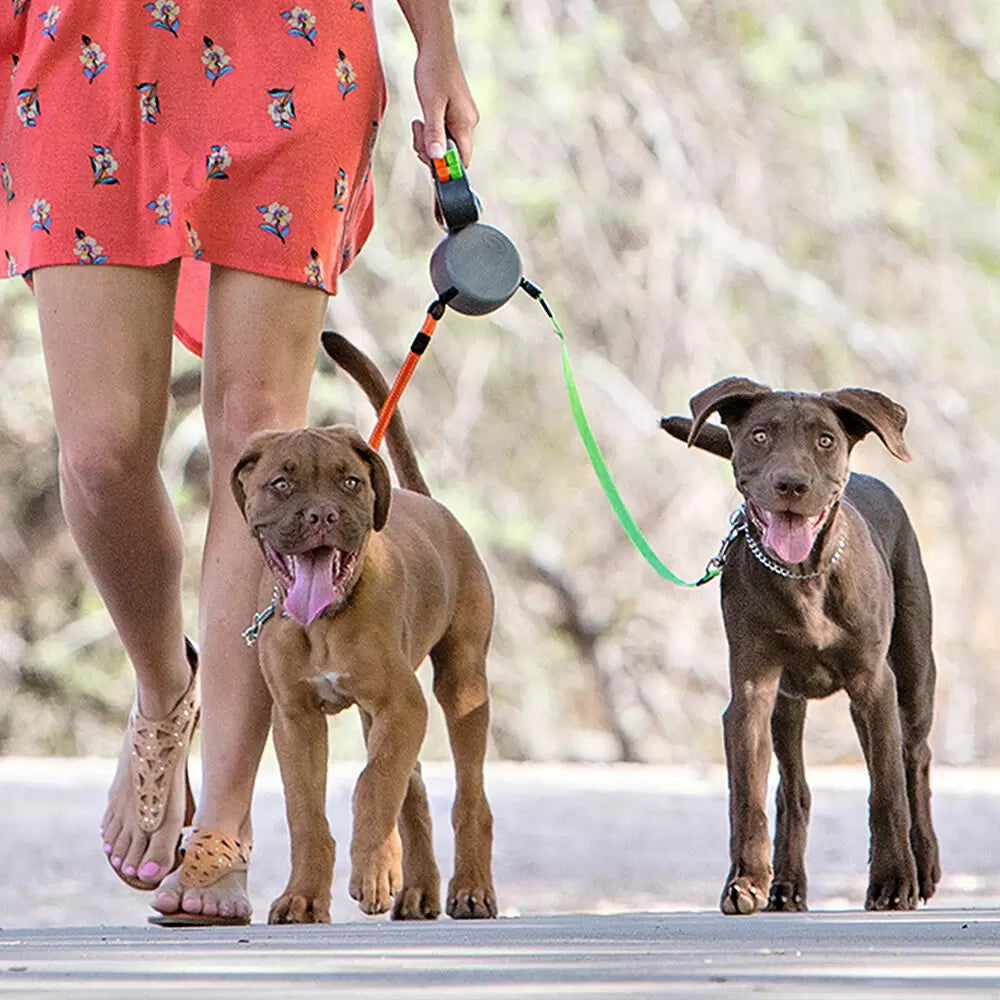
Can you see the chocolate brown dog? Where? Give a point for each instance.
(369, 582)
(823, 589)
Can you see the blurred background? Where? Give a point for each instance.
(804, 194)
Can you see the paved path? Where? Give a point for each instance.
(607, 876)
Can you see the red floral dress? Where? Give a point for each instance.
(238, 134)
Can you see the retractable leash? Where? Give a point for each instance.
(476, 269)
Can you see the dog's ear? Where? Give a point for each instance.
(730, 398)
(864, 410)
(381, 483)
(711, 437)
(245, 465)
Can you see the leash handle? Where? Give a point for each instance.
(420, 343)
(600, 467)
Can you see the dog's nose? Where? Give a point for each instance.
(318, 517)
(791, 484)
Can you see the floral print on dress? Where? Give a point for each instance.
(346, 78)
(277, 219)
(88, 250)
(50, 21)
(193, 241)
(216, 161)
(217, 64)
(281, 109)
(8, 183)
(357, 5)
(28, 108)
(340, 189)
(14, 60)
(162, 207)
(301, 23)
(149, 101)
(41, 215)
(314, 270)
(19, 6)
(165, 14)
(104, 165)
(93, 58)
(11, 265)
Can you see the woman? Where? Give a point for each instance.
(239, 139)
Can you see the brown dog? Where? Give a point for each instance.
(370, 581)
(823, 589)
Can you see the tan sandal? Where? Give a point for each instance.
(208, 857)
(159, 746)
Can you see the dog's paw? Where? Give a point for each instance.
(742, 897)
(895, 891)
(414, 902)
(376, 879)
(299, 908)
(786, 897)
(471, 899)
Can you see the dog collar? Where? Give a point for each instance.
(740, 520)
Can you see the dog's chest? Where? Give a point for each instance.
(333, 691)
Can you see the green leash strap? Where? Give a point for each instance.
(625, 519)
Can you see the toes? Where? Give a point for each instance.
(471, 904)
(415, 903)
(741, 897)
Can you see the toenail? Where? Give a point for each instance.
(129, 870)
(149, 870)
(116, 862)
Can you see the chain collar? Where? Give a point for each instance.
(739, 519)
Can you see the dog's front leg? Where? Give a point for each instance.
(397, 729)
(746, 725)
(300, 742)
(892, 882)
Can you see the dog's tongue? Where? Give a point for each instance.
(312, 591)
(789, 536)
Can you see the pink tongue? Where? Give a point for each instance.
(312, 591)
(789, 536)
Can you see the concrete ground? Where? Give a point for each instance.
(608, 878)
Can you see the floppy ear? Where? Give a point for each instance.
(864, 410)
(731, 398)
(245, 465)
(381, 483)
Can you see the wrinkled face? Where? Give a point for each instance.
(791, 460)
(311, 498)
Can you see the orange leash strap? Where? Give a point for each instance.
(420, 342)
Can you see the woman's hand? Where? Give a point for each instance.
(446, 103)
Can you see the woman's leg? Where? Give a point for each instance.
(106, 336)
(260, 351)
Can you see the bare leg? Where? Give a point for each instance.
(106, 335)
(260, 349)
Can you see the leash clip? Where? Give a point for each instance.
(738, 524)
(252, 634)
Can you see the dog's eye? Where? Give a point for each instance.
(759, 437)
(352, 483)
(280, 485)
(825, 441)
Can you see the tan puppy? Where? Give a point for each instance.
(369, 582)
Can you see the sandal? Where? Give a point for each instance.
(158, 746)
(208, 857)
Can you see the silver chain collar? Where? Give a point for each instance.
(252, 634)
(739, 519)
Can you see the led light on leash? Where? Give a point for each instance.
(476, 269)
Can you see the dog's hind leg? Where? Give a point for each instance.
(793, 801)
(420, 896)
(912, 661)
(460, 687)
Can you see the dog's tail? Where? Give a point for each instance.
(711, 437)
(363, 370)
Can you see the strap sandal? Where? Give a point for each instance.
(159, 746)
(208, 857)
